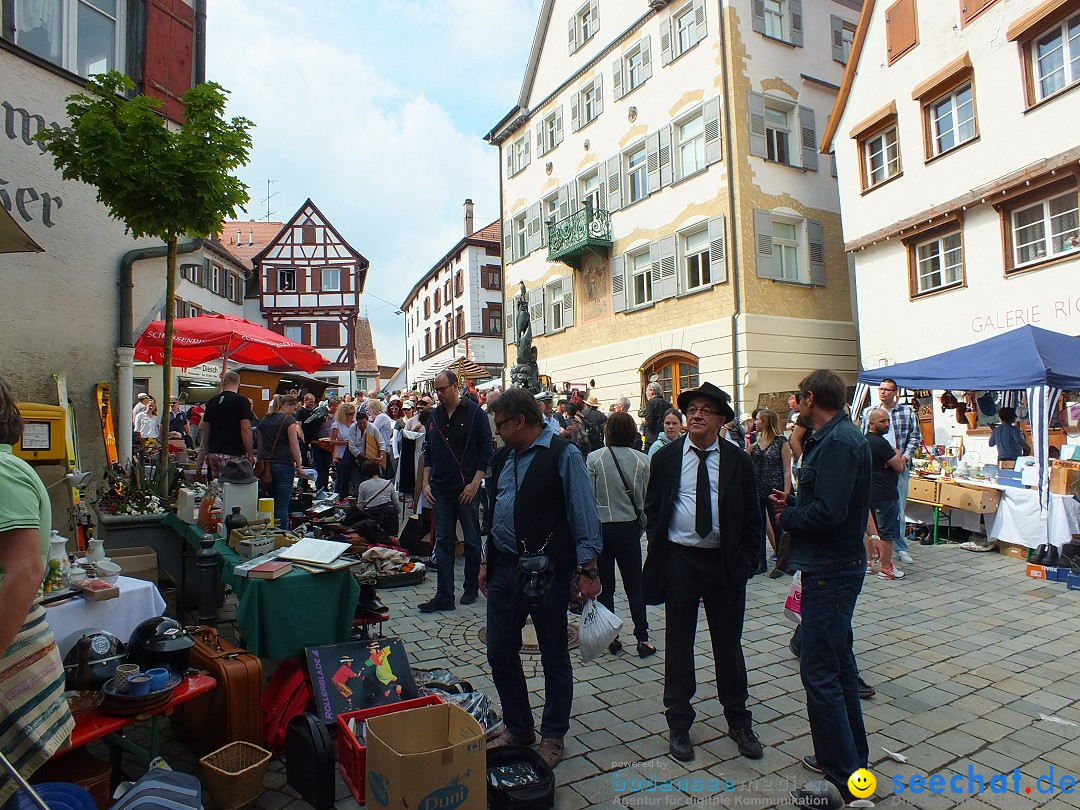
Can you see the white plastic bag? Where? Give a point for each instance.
(599, 627)
(793, 603)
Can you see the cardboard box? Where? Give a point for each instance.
(1037, 571)
(138, 562)
(1063, 475)
(1013, 550)
(1056, 574)
(923, 489)
(426, 758)
(1072, 581)
(969, 498)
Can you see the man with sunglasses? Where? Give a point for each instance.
(827, 523)
(457, 454)
(703, 522)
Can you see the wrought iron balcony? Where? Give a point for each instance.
(587, 230)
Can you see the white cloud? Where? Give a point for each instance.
(376, 112)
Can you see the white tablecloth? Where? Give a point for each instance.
(138, 600)
(1017, 518)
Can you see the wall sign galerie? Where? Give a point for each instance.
(1033, 314)
(30, 203)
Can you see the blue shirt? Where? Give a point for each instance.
(577, 492)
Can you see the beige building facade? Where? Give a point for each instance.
(663, 198)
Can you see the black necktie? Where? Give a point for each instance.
(703, 516)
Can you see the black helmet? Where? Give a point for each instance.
(160, 642)
(106, 653)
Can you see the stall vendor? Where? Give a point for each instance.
(1008, 438)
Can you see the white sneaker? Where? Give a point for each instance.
(890, 573)
(904, 557)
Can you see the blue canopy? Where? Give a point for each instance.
(1023, 358)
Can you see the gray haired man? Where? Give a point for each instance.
(655, 408)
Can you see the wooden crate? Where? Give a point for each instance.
(969, 498)
(923, 490)
(1063, 475)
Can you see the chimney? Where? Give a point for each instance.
(469, 217)
(251, 236)
(238, 237)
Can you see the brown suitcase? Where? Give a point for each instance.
(232, 711)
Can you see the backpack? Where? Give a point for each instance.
(288, 694)
(594, 432)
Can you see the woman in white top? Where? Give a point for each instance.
(385, 425)
(344, 416)
(620, 475)
(147, 424)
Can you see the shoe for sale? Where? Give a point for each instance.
(436, 605)
(747, 740)
(892, 572)
(904, 557)
(866, 691)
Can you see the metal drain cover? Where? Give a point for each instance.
(529, 645)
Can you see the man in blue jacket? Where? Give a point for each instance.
(457, 454)
(827, 523)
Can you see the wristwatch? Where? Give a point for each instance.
(591, 573)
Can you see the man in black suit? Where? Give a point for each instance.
(703, 549)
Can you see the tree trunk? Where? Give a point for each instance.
(166, 361)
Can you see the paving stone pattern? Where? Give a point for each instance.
(965, 653)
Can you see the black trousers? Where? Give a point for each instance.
(622, 546)
(694, 575)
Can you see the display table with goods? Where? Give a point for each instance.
(279, 617)
(138, 600)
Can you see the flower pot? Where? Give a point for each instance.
(129, 531)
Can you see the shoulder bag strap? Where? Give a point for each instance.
(273, 447)
(626, 486)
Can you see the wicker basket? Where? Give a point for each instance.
(234, 774)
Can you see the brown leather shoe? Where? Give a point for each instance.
(507, 737)
(551, 750)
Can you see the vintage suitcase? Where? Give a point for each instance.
(232, 711)
(309, 760)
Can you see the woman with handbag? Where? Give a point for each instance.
(771, 454)
(279, 437)
(620, 476)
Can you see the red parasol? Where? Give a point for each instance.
(224, 337)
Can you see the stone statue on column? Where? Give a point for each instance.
(524, 373)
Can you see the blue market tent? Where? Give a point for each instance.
(1041, 362)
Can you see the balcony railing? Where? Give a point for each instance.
(587, 230)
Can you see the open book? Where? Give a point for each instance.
(313, 550)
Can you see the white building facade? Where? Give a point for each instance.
(455, 309)
(958, 160)
(664, 201)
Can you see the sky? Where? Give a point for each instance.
(376, 110)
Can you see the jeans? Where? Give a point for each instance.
(321, 459)
(504, 624)
(900, 544)
(448, 510)
(622, 545)
(830, 674)
(696, 575)
(281, 486)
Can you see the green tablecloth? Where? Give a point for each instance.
(280, 617)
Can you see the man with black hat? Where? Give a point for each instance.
(704, 527)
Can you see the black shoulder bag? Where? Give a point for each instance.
(626, 486)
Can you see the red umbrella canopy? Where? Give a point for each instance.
(213, 337)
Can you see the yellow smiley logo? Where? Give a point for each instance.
(861, 783)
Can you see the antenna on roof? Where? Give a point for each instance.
(266, 200)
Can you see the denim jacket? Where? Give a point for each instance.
(829, 517)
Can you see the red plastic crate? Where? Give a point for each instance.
(351, 755)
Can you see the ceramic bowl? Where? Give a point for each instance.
(108, 571)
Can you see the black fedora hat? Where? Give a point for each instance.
(710, 391)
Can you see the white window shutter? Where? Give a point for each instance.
(646, 58)
(837, 25)
(558, 126)
(528, 148)
(617, 78)
(808, 128)
(665, 41)
(541, 142)
(594, 12)
(711, 121)
(665, 158)
(654, 271)
(575, 112)
(510, 159)
(717, 251)
(669, 277)
(614, 183)
(598, 83)
(532, 227)
(601, 186)
(763, 244)
(511, 323)
(757, 22)
(756, 105)
(573, 34)
(652, 162)
(815, 236)
(795, 9)
(536, 310)
(699, 20)
(618, 284)
(568, 300)
(508, 241)
(832, 163)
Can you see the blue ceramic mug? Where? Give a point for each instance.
(139, 685)
(159, 676)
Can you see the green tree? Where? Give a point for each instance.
(159, 182)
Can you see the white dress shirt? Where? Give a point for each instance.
(684, 515)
